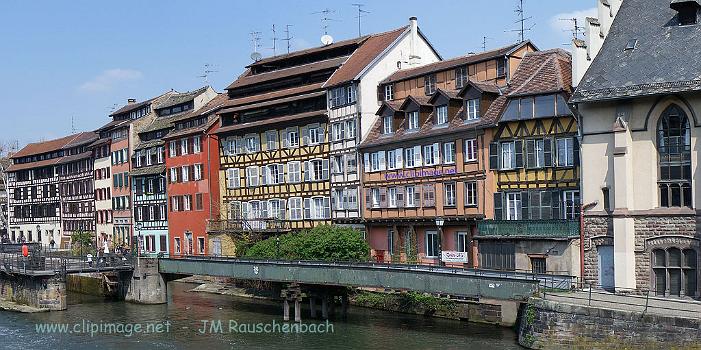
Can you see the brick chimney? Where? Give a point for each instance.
(131, 101)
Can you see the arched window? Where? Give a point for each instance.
(674, 151)
(674, 272)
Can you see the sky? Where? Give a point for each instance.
(65, 65)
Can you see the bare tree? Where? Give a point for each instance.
(4, 193)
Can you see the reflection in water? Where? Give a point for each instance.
(363, 329)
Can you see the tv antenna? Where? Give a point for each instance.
(361, 14)
(521, 20)
(274, 41)
(205, 73)
(326, 18)
(72, 125)
(484, 43)
(288, 38)
(576, 29)
(255, 41)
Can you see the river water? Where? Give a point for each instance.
(178, 325)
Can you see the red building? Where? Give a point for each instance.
(192, 169)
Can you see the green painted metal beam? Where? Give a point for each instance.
(445, 281)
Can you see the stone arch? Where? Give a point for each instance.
(664, 102)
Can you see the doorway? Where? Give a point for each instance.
(606, 270)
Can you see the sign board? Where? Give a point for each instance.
(453, 257)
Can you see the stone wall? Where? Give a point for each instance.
(44, 292)
(600, 228)
(551, 325)
(144, 285)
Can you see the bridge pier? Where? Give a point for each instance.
(312, 307)
(293, 292)
(145, 285)
(39, 291)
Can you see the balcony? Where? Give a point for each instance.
(532, 229)
(247, 225)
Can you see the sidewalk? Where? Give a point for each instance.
(636, 303)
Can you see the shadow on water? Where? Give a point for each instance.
(362, 329)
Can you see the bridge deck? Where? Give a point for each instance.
(13, 263)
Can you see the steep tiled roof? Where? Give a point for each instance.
(366, 53)
(269, 60)
(273, 94)
(410, 73)
(250, 79)
(273, 102)
(132, 106)
(178, 98)
(149, 170)
(55, 145)
(665, 58)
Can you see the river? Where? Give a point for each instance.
(178, 325)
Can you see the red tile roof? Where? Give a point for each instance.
(250, 79)
(269, 60)
(366, 53)
(273, 94)
(410, 73)
(55, 145)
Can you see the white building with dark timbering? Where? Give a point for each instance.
(639, 106)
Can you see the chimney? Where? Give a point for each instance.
(687, 10)
(414, 32)
(131, 101)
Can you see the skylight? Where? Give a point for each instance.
(632, 43)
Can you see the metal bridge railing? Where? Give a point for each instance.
(61, 262)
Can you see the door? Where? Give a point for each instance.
(216, 247)
(606, 277)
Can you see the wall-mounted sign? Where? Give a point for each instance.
(453, 257)
(412, 174)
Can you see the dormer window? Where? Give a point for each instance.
(687, 11)
(473, 109)
(413, 120)
(430, 84)
(387, 125)
(501, 67)
(460, 77)
(442, 115)
(389, 92)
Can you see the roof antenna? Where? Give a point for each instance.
(575, 30)
(325, 19)
(288, 38)
(484, 43)
(72, 125)
(360, 16)
(255, 40)
(274, 41)
(205, 75)
(522, 20)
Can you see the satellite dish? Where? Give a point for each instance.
(327, 39)
(256, 56)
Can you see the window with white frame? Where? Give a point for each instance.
(508, 158)
(470, 150)
(413, 120)
(185, 173)
(377, 161)
(293, 172)
(350, 198)
(271, 140)
(159, 155)
(449, 153)
(197, 172)
(350, 129)
(432, 154)
(565, 152)
(387, 125)
(187, 203)
(449, 194)
(252, 144)
(296, 209)
(460, 76)
(316, 136)
(351, 163)
(570, 204)
(276, 209)
(410, 196)
(350, 94)
(473, 109)
(409, 157)
(431, 244)
(463, 241)
(252, 176)
(173, 175)
(442, 115)
(389, 92)
(337, 163)
(392, 197)
(337, 196)
(196, 144)
(430, 84)
(337, 97)
(513, 205)
(338, 131)
(172, 148)
(318, 169)
(471, 193)
(138, 158)
(391, 160)
(375, 197)
(321, 208)
(292, 138)
(535, 154)
(184, 149)
(233, 178)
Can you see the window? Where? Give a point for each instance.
(316, 135)
(271, 140)
(350, 94)
(392, 197)
(432, 154)
(350, 129)
(172, 149)
(138, 158)
(233, 178)
(430, 84)
(535, 153)
(508, 160)
(293, 172)
(460, 77)
(377, 161)
(337, 163)
(540, 205)
(375, 197)
(187, 200)
(449, 194)
(470, 150)
(295, 208)
(413, 156)
(674, 149)
(185, 173)
(292, 138)
(410, 200)
(473, 109)
(197, 172)
(538, 265)
(429, 193)
(159, 155)
(252, 145)
(387, 125)
(252, 176)
(317, 208)
(316, 170)
(471, 193)
(336, 97)
(431, 244)
(565, 152)
(501, 67)
(390, 241)
(338, 131)
(463, 241)
(196, 144)
(449, 153)
(178, 247)
(497, 255)
(413, 118)
(513, 206)
(200, 245)
(183, 146)
(570, 204)
(674, 272)
(389, 92)
(442, 115)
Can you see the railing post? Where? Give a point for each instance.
(590, 295)
(647, 301)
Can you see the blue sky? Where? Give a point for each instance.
(64, 60)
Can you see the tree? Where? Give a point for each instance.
(328, 243)
(81, 243)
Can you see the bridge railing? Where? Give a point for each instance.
(41, 261)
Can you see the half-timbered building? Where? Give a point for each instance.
(534, 156)
(103, 189)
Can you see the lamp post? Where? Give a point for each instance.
(439, 222)
(277, 244)
(39, 234)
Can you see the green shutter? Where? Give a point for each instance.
(518, 151)
(494, 156)
(498, 211)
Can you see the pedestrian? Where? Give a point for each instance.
(89, 259)
(52, 244)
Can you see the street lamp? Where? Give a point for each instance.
(39, 233)
(439, 222)
(277, 244)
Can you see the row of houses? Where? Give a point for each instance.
(482, 160)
